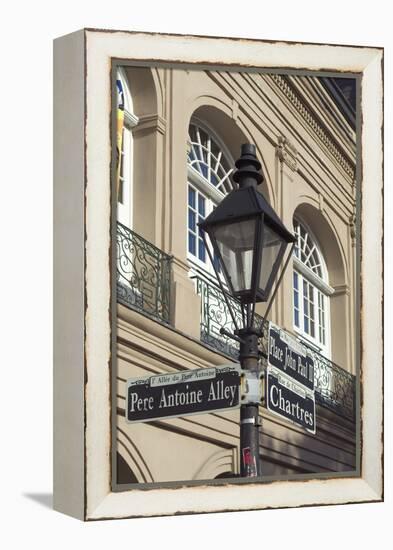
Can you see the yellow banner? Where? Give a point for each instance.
(119, 146)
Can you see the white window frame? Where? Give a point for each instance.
(318, 285)
(212, 195)
(124, 208)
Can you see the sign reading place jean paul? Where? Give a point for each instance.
(183, 393)
(290, 380)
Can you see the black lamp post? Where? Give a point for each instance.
(249, 242)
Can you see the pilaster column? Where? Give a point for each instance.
(148, 137)
(186, 305)
(287, 166)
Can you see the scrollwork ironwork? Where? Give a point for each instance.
(143, 275)
(215, 315)
(334, 387)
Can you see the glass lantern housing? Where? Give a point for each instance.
(248, 238)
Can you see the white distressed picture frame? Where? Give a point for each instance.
(82, 247)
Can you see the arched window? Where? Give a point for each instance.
(210, 168)
(126, 120)
(311, 291)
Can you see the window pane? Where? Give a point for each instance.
(307, 250)
(201, 250)
(191, 243)
(295, 280)
(200, 230)
(321, 318)
(201, 205)
(296, 313)
(191, 197)
(215, 151)
(309, 303)
(213, 179)
(312, 311)
(213, 164)
(296, 299)
(191, 220)
(217, 264)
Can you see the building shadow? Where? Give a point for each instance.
(45, 499)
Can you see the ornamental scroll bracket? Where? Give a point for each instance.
(287, 153)
(352, 228)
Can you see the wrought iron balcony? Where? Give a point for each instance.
(334, 387)
(215, 315)
(143, 275)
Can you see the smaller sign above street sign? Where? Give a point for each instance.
(183, 393)
(289, 356)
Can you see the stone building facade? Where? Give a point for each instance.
(181, 132)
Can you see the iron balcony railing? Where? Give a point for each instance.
(215, 315)
(334, 387)
(143, 275)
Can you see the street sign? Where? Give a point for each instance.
(183, 393)
(288, 355)
(290, 400)
(290, 380)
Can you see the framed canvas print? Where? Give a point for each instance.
(218, 274)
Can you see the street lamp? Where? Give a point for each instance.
(248, 246)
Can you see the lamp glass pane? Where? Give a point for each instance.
(235, 243)
(272, 244)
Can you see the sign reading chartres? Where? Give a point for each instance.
(290, 380)
(183, 393)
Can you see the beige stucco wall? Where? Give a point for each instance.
(305, 174)
(205, 446)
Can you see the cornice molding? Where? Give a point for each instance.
(130, 119)
(150, 122)
(341, 289)
(291, 94)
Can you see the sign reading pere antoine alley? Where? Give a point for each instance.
(183, 393)
(290, 380)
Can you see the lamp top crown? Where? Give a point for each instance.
(248, 167)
